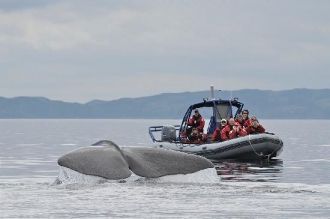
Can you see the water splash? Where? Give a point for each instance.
(68, 176)
(208, 175)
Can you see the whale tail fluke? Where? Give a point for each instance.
(109, 161)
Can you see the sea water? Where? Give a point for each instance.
(297, 184)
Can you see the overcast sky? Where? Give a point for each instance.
(79, 50)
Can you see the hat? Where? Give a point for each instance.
(196, 111)
(223, 121)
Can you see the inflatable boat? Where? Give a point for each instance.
(250, 147)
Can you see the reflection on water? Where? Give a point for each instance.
(252, 171)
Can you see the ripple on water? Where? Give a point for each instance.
(323, 145)
(157, 198)
(68, 144)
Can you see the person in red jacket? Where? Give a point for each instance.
(239, 119)
(216, 136)
(246, 119)
(255, 127)
(197, 121)
(232, 130)
(196, 137)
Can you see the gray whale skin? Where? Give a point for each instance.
(106, 159)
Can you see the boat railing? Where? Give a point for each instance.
(155, 129)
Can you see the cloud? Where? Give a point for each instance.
(52, 28)
(111, 46)
(15, 5)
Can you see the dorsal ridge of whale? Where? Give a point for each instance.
(109, 144)
(106, 143)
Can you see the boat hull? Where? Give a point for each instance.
(251, 147)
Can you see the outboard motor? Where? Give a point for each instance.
(168, 133)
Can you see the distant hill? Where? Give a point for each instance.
(286, 104)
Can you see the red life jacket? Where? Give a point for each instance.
(240, 123)
(216, 136)
(229, 133)
(252, 130)
(247, 123)
(197, 122)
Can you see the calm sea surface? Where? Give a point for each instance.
(297, 184)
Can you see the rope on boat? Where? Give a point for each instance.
(259, 154)
(268, 156)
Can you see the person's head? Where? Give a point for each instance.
(254, 121)
(223, 122)
(196, 112)
(195, 131)
(239, 117)
(231, 121)
(245, 114)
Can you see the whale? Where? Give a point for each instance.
(107, 160)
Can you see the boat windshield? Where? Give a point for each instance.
(223, 111)
(213, 112)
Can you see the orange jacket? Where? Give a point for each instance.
(240, 123)
(216, 136)
(247, 123)
(229, 132)
(197, 122)
(252, 130)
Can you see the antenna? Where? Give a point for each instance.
(212, 92)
